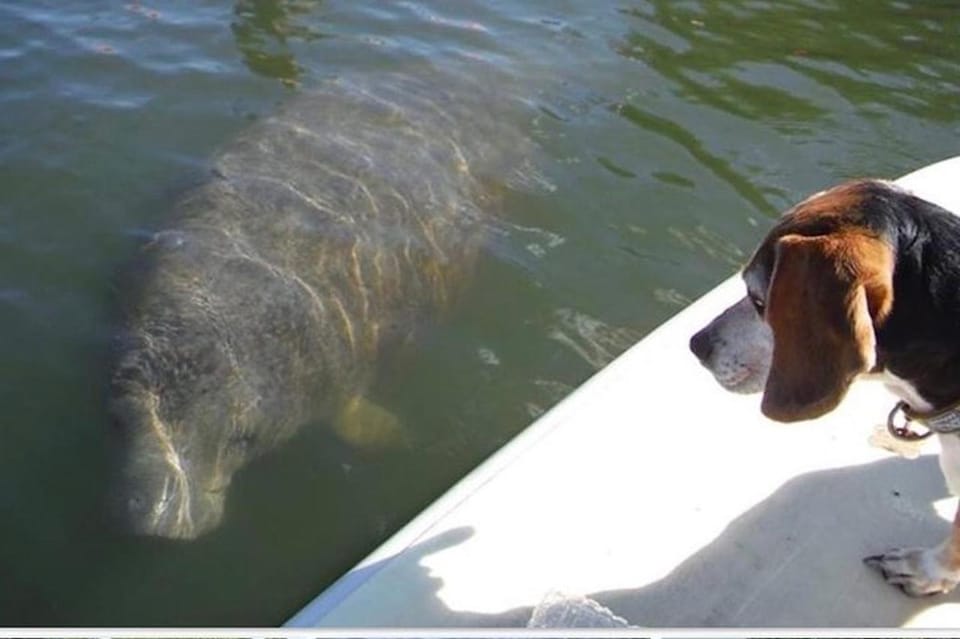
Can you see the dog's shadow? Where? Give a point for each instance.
(795, 558)
(792, 560)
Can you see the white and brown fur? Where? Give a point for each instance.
(862, 279)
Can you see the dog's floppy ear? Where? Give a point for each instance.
(826, 295)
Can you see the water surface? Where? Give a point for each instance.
(668, 134)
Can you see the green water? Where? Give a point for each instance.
(673, 132)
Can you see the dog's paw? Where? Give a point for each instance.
(919, 572)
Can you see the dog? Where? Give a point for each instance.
(861, 280)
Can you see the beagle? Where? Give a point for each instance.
(862, 279)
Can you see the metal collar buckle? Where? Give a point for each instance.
(904, 432)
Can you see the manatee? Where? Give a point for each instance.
(323, 235)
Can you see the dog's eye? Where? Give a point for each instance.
(757, 303)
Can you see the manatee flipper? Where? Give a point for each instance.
(365, 424)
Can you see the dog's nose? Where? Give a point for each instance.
(701, 345)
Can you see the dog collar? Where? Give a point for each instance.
(944, 421)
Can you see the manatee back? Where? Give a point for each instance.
(332, 228)
(325, 233)
(370, 191)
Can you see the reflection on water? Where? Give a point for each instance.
(756, 59)
(681, 136)
(591, 339)
(264, 29)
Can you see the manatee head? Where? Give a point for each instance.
(176, 446)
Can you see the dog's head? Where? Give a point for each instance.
(818, 286)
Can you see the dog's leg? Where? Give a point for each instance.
(923, 571)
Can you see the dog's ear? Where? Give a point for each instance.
(826, 295)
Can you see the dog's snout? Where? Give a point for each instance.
(701, 345)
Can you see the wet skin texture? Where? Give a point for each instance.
(323, 235)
